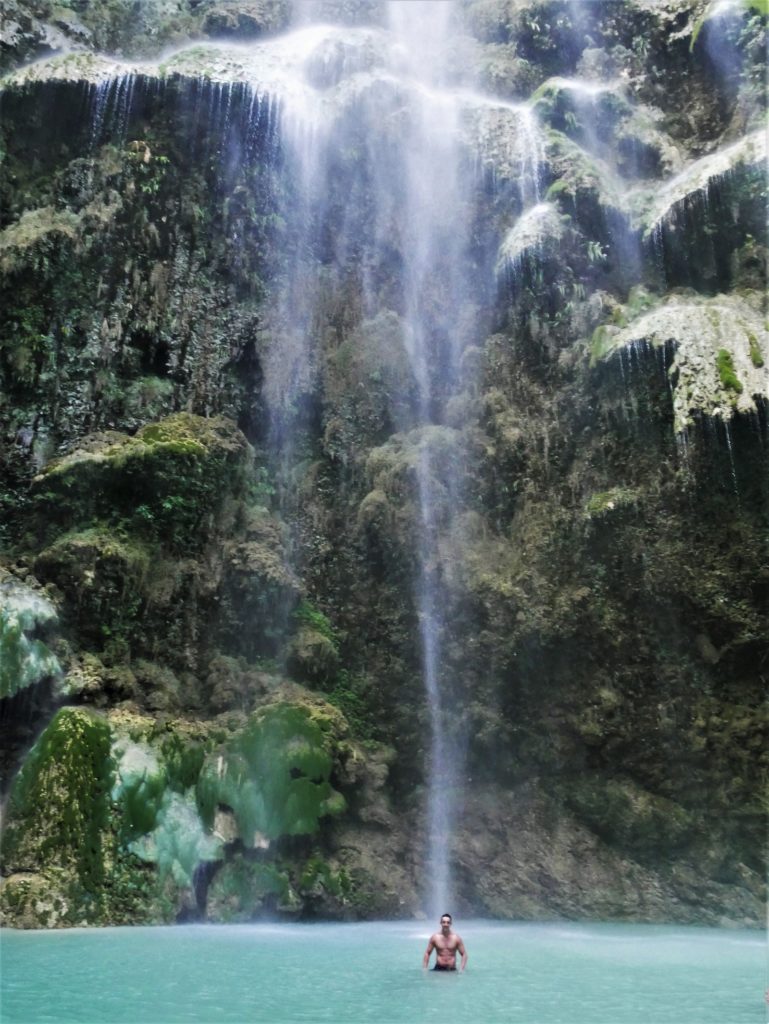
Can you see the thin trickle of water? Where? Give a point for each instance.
(730, 450)
(111, 104)
(510, 142)
(437, 242)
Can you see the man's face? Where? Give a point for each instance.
(445, 924)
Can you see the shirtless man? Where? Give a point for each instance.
(446, 944)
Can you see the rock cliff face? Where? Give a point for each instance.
(210, 668)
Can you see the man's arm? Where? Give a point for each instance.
(463, 951)
(428, 951)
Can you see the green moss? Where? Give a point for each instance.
(309, 615)
(625, 815)
(140, 802)
(369, 384)
(601, 343)
(726, 374)
(170, 482)
(59, 805)
(312, 657)
(559, 187)
(148, 398)
(756, 356)
(184, 759)
(603, 502)
(242, 888)
(314, 651)
(103, 577)
(318, 878)
(351, 694)
(639, 300)
(156, 815)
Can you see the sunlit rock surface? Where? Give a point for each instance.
(696, 180)
(537, 231)
(721, 353)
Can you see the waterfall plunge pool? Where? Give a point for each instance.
(527, 973)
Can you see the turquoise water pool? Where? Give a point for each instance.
(518, 973)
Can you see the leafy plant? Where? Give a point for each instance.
(595, 252)
(308, 615)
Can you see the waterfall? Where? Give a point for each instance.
(382, 95)
(437, 243)
(434, 204)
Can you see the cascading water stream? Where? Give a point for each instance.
(436, 239)
(416, 185)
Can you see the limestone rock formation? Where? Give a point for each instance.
(234, 462)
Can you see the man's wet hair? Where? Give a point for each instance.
(448, 916)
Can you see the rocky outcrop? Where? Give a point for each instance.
(719, 366)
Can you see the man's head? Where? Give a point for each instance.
(445, 923)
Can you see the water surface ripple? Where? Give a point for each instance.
(526, 973)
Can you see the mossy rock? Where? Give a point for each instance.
(534, 237)
(232, 684)
(663, 205)
(504, 73)
(369, 386)
(275, 773)
(156, 772)
(393, 471)
(719, 345)
(246, 19)
(583, 182)
(103, 578)
(313, 654)
(258, 587)
(582, 109)
(30, 900)
(59, 805)
(725, 365)
(323, 884)
(243, 889)
(641, 823)
(170, 482)
(103, 814)
(604, 503)
(312, 657)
